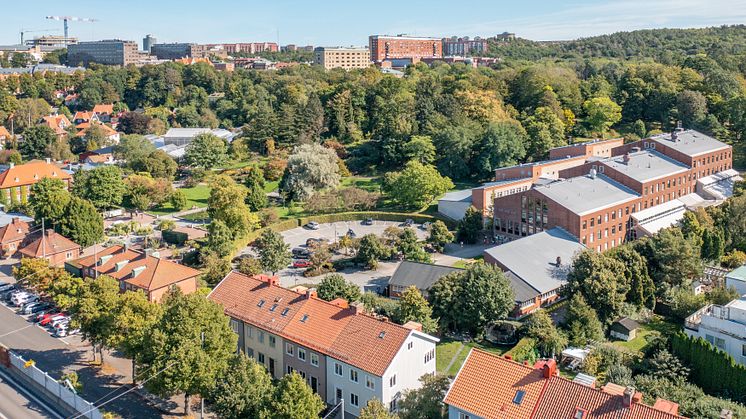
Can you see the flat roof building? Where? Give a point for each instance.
(385, 47)
(108, 51)
(340, 57)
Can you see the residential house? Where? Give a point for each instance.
(418, 274)
(50, 245)
(137, 271)
(342, 352)
(71, 99)
(624, 329)
(737, 279)
(536, 266)
(84, 116)
(58, 124)
(492, 387)
(101, 155)
(12, 235)
(103, 112)
(4, 133)
(111, 135)
(724, 326)
(16, 180)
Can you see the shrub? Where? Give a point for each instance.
(174, 237)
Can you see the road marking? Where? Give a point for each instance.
(17, 330)
(3, 416)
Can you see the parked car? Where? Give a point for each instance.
(426, 225)
(60, 320)
(367, 222)
(23, 298)
(312, 242)
(65, 331)
(300, 253)
(5, 295)
(312, 225)
(303, 263)
(49, 318)
(408, 222)
(36, 307)
(351, 233)
(4, 286)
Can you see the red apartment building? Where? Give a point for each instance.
(599, 186)
(383, 47)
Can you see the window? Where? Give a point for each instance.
(314, 360)
(302, 354)
(261, 358)
(372, 384)
(261, 303)
(743, 350)
(272, 341)
(518, 398)
(409, 345)
(290, 369)
(430, 355)
(285, 311)
(462, 415)
(249, 331)
(353, 375)
(261, 337)
(720, 343)
(579, 414)
(392, 380)
(289, 349)
(338, 369)
(273, 308)
(354, 400)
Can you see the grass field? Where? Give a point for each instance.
(196, 196)
(447, 350)
(370, 184)
(657, 325)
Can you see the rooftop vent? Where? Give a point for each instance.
(592, 173)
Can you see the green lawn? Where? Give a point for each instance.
(370, 184)
(463, 263)
(446, 350)
(271, 186)
(656, 325)
(196, 196)
(196, 216)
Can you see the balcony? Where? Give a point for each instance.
(693, 321)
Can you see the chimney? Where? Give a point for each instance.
(592, 173)
(508, 357)
(550, 368)
(674, 135)
(358, 307)
(626, 158)
(726, 414)
(629, 395)
(559, 261)
(340, 302)
(679, 127)
(311, 293)
(12, 165)
(271, 280)
(49, 160)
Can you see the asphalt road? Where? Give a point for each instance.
(57, 356)
(17, 404)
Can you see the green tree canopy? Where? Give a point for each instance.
(81, 223)
(206, 151)
(335, 286)
(416, 185)
(274, 253)
(102, 186)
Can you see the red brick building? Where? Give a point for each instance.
(54, 247)
(383, 47)
(12, 235)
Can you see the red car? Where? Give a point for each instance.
(301, 264)
(48, 318)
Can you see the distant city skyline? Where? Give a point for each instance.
(336, 22)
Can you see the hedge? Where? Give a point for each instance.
(712, 369)
(174, 237)
(524, 350)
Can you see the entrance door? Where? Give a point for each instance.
(314, 384)
(272, 367)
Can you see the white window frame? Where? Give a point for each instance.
(370, 384)
(316, 358)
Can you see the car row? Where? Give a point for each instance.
(43, 313)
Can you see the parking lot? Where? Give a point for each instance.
(332, 231)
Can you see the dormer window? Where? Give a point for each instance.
(137, 271)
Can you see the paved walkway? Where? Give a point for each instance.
(455, 357)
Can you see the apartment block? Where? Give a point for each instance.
(340, 57)
(175, 51)
(464, 46)
(723, 326)
(341, 352)
(246, 47)
(384, 47)
(109, 51)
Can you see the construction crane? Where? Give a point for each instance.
(25, 31)
(66, 19)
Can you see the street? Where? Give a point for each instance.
(57, 356)
(15, 404)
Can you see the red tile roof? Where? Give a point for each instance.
(4, 132)
(52, 244)
(487, 384)
(57, 123)
(85, 126)
(105, 109)
(30, 173)
(120, 263)
(13, 232)
(357, 339)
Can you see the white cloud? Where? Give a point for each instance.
(607, 17)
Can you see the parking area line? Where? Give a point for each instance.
(15, 331)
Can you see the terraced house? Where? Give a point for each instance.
(342, 352)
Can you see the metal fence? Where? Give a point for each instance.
(55, 389)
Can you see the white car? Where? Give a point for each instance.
(24, 298)
(59, 320)
(65, 331)
(313, 225)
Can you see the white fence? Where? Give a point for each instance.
(64, 394)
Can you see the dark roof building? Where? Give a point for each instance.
(420, 275)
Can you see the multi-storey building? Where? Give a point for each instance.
(108, 51)
(464, 46)
(341, 57)
(723, 326)
(148, 42)
(16, 180)
(491, 387)
(597, 197)
(383, 47)
(247, 47)
(177, 50)
(342, 352)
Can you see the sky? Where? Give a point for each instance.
(339, 22)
